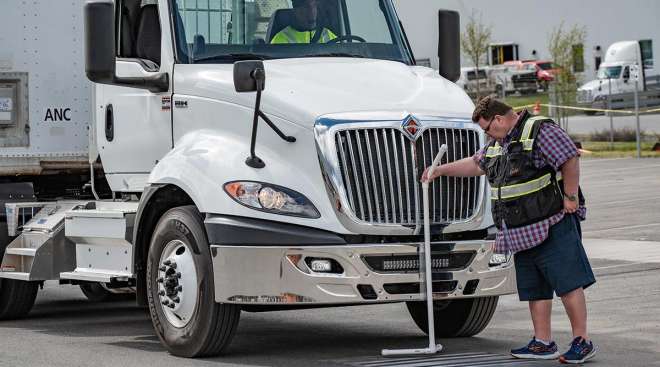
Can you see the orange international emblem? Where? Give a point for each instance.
(411, 127)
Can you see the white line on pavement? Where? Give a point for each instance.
(616, 266)
(624, 227)
(608, 203)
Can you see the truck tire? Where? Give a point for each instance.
(95, 292)
(180, 288)
(16, 298)
(455, 318)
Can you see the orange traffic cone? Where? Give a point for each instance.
(537, 108)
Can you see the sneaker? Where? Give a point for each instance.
(536, 350)
(579, 352)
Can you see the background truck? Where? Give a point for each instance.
(509, 79)
(214, 172)
(476, 82)
(621, 59)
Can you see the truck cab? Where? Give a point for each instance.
(249, 175)
(614, 73)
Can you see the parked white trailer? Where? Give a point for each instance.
(155, 178)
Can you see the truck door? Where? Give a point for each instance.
(628, 84)
(134, 126)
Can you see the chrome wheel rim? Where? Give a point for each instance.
(177, 283)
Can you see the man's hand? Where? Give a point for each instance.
(570, 207)
(437, 172)
(465, 167)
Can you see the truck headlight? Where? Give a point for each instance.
(498, 259)
(271, 199)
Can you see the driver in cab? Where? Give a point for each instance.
(304, 28)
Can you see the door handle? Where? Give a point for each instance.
(109, 123)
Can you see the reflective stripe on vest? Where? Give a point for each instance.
(494, 151)
(514, 191)
(294, 36)
(528, 143)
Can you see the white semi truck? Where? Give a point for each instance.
(615, 77)
(213, 172)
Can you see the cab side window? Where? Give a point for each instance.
(138, 32)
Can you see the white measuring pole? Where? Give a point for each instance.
(426, 272)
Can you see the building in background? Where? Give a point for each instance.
(521, 29)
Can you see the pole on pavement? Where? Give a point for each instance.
(639, 143)
(609, 107)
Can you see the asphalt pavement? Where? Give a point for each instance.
(622, 237)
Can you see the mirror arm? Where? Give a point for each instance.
(259, 75)
(156, 84)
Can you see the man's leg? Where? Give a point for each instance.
(541, 312)
(576, 309)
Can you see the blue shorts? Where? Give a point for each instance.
(559, 264)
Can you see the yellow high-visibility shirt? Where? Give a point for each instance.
(291, 35)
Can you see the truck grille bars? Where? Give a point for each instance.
(381, 168)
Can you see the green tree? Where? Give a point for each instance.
(566, 49)
(475, 40)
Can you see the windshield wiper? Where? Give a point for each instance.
(232, 57)
(335, 54)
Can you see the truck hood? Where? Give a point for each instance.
(592, 85)
(302, 90)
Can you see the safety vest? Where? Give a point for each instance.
(522, 194)
(292, 35)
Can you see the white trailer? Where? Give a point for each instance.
(155, 179)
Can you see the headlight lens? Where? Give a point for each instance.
(271, 198)
(498, 259)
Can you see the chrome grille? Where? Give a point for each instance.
(381, 167)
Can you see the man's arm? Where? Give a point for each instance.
(466, 167)
(570, 172)
(561, 153)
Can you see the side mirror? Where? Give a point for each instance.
(100, 41)
(449, 44)
(100, 56)
(249, 76)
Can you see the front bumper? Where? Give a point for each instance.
(279, 275)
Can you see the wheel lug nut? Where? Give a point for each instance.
(166, 302)
(178, 275)
(162, 268)
(167, 262)
(161, 293)
(179, 288)
(176, 300)
(171, 305)
(160, 280)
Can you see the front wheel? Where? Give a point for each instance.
(455, 318)
(16, 298)
(180, 288)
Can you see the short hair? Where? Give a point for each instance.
(489, 107)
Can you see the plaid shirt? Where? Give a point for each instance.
(552, 147)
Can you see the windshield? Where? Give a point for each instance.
(611, 72)
(224, 31)
(472, 75)
(545, 65)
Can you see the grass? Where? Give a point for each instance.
(602, 149)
